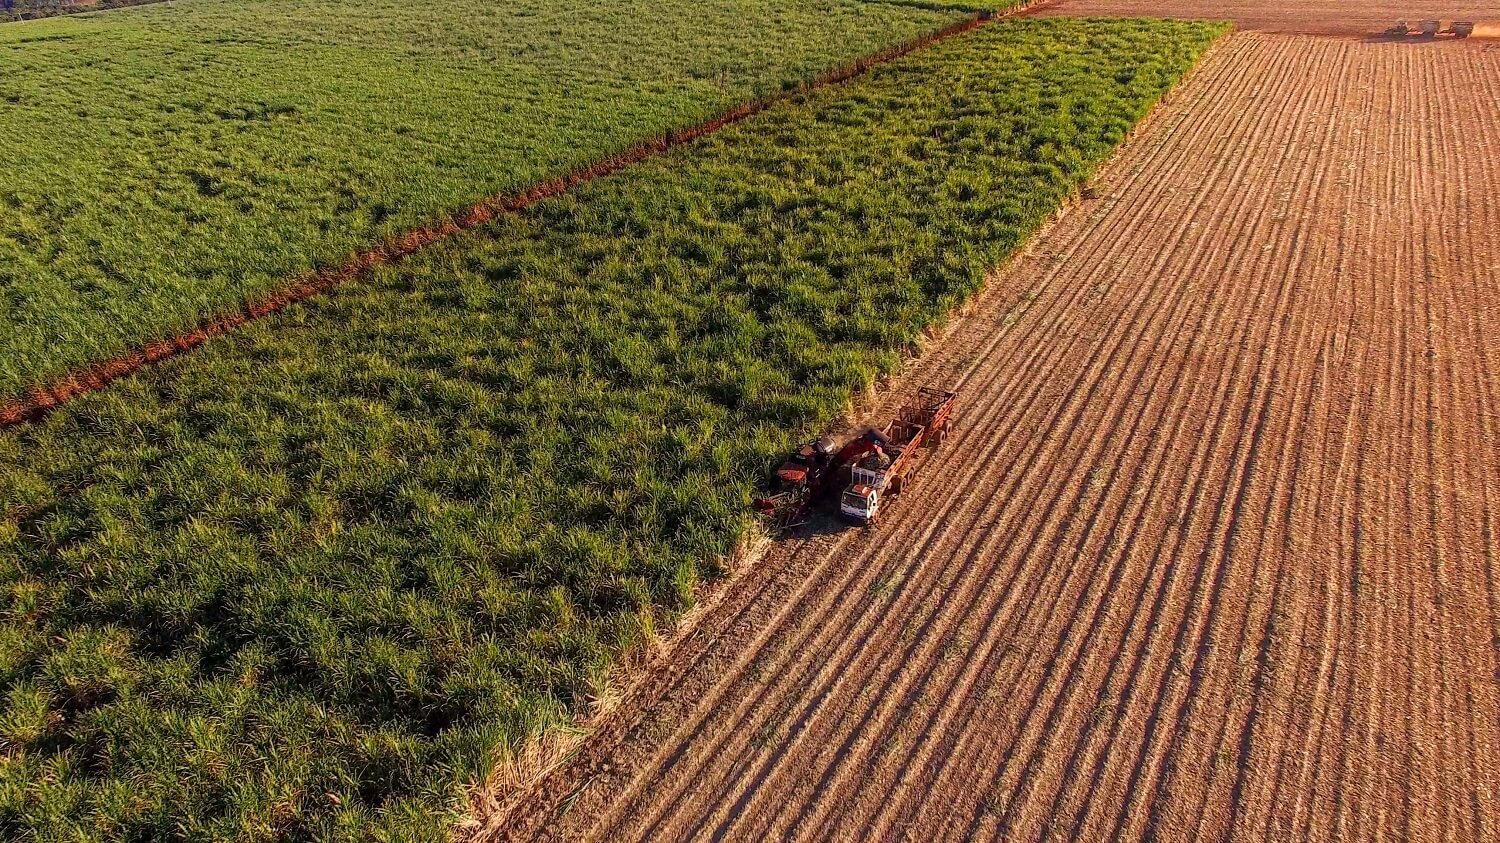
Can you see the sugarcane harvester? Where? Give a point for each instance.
(800, 482)
(865, 472)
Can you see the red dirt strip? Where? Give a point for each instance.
(1213, 550)
(40, 400)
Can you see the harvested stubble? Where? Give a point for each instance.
(308, 581)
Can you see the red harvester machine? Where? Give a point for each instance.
(869, 468)
(800, 482)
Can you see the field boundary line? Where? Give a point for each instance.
(38, 401)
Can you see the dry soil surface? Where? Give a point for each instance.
(1332, 17)
(1212, 551)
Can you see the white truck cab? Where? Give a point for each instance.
(867, 486)
(860, 503)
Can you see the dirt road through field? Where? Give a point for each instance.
(1212, 551)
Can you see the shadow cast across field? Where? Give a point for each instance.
(821, 525)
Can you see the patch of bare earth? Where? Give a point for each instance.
(1326, 17)
(1212, 550)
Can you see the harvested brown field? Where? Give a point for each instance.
(1325, 17)
(1212, 551)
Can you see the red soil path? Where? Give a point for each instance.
(1214, 549)
(43, 399)
(1326, 17)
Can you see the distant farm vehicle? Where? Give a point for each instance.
(1432, 29)
(868, 469)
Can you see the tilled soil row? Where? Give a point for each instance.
(1211, 551)
(43, 399)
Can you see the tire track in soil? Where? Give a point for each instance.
(1201, 692)
(1211, 549)
(1268, 606)
(1158, 618)
(1324, 686)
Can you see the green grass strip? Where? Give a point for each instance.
(309, 581)
(163, 164)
